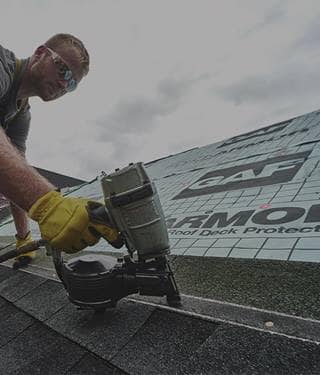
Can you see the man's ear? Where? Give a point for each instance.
(40, 51)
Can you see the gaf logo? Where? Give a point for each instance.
(267, 172)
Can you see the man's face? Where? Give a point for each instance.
(55, 72)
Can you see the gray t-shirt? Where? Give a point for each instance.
(14, 114)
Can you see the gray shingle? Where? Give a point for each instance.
(39, 350)
(92, 365)
(154, 351)
(103, 334)
(43, 301)
(12, 322)
(235, 350)
(19, 285)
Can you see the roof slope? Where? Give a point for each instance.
(255, 196)
(41, 332)
(60, 180)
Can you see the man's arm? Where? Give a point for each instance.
(63, 221)
(21, 221)
(19, 182)
(17, 132)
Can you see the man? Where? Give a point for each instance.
(54, 69)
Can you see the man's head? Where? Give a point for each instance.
(57, 66)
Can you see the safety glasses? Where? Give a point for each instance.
(63, 70)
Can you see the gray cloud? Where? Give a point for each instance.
(275, 14)
(135, 115)
(310, 39)
(288, 82)
(123, 131)
(130, 47)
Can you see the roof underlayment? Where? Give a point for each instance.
(244, 225)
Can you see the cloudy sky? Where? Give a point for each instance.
(166, 76)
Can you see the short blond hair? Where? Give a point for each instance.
(68, 39)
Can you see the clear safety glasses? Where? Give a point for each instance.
(64, 71)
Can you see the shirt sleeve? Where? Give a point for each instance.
(18, 129)
(5, 80)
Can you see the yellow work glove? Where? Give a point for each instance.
(26, 257)
(69, 224)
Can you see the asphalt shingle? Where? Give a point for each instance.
(39, 350)
(18, 285)
(237, 350)
(163, 344)
(104, 334)
(13, 321)
(44, 301)
(92, 365)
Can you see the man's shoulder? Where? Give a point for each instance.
(7, 66)
(7, 59)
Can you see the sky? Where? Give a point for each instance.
(166, 76)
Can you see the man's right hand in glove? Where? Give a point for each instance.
(68, 224)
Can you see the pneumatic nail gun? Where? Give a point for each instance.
(132, 205)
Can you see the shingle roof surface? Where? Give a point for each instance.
(134, 338)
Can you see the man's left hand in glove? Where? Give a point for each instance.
(24, 259)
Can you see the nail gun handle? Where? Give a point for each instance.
(98, 214)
